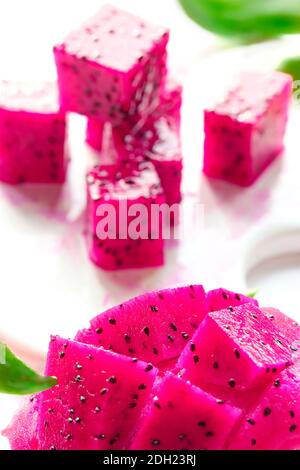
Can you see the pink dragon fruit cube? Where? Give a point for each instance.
(245, 132)
(32, 134)
(113, 67)
(121, 190)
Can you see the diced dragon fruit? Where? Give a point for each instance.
(154, 327)
(182, 416)
(245, 132)
(115, 194)
(113, 67)
(32, 134)
(274, 423)
(98, 400)
(218, 299)
(235, 349)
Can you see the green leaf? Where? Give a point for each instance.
(252, 294)
(291, 66)
(17, 378)
(247, 19)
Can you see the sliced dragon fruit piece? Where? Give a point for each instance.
(236, 348)
(32, 134)
(115, 194)
(98, 400)
(94, 133)
(21, 432)
(182, 417)
(218, 299)
(274, 424)
(287, 326)
(154, 327)
(245, 132)
(113, 67)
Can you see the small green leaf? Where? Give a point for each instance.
(291, 66)
(247, 19)
(252, 294)
(18, 379)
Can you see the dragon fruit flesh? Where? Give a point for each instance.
(170, 424)
(236, 348)
(156, 140)
(97, 401)
(245, 132)
(113, 67)
(94, 133)
(218, 299)
(122, 190)
(21, 432)
(154, 327)
(236, 384)
(274, 423)
(32, 134)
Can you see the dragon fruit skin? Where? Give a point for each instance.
(112, 68)
(98, 399)
(236, 348)
(21, 432)
(182, 417)
(154, 327)
(32, 134)
(245, 132)
(218, 299)
(132, 184)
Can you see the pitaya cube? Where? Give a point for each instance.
(245, 132)
(32, 134)
(121, 189)
(183, 417)
(170, 100)
(236, 348)
(94, 133)
(158, 140)
(290, 328)
(112, 68)
(154, 327)
(98, 400)
(274, 424)
(218, 299)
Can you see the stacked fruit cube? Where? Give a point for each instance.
(112, 70)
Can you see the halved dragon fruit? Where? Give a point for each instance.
(113, 67)
(154, 327)
(98, 399)
(123, 232)
(236, 348)
(32, 134)
(181, 416)
(237, 387)
(245, 132)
